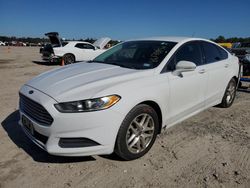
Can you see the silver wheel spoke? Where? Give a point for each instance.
(137, 124)
(138, 145)
(134, 142)
(143, 119)
(143, 142)
(131, 138)
(146, 121)
(133, 129)
(146, 135)
(148, 129)
(230, 93)
(140, 133)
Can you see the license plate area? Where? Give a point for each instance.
(28, 125)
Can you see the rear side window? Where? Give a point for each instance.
(64, 43)
(212, 52)
(188, 52)
(223, 53)
(84, 46)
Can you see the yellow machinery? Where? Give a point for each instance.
(226, 44)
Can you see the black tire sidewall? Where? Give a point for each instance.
(121, 146)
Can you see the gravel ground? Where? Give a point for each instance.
(211, 149)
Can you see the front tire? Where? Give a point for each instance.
(229, 94)
(137, 133)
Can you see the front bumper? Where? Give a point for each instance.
(99, 126)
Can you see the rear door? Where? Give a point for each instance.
(84, 52)
(187, 92)
(216, 65)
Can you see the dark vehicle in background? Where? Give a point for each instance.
(242, 51)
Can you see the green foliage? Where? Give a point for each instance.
(222, 39)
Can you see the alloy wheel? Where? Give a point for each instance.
(230, 93)
(140, 133)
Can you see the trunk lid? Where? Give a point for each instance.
(54, 39)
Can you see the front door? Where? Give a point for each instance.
(187, 91)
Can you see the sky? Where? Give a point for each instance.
(125, 19)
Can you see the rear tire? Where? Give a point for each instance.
(229, 94)
(69, 59)
(137, 133)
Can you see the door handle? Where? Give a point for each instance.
(202, 71)
(226, 65)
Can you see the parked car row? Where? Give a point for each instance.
(122, 99)
(19, 43)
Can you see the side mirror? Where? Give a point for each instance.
(184, 66)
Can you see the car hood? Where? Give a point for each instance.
(102, 42)
(83, 80)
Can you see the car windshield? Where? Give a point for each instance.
(136, 54)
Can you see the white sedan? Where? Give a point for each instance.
(122, 99)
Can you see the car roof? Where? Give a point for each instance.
(172, 38)
(69, 41)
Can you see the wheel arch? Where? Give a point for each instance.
(69, 53)
(237, 79)
(157, 109)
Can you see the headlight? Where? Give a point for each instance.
(88, 105)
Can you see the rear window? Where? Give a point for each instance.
(223, 53)
(84, 46)
(64, 43)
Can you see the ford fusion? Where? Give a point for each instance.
(122, 99)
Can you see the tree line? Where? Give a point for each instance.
(222, 39)
(37, 40)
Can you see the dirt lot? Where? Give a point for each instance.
(211, 149)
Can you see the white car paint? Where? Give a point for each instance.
(79, 54)
(178, 97)
(2, 43)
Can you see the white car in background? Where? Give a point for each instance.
(2, 43)
(122, 99)
(72, 51)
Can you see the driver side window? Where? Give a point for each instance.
(190, 51)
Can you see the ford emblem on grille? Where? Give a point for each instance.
(31, 91)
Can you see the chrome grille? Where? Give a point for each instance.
(35, 111)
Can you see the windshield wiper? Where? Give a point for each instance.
(93, 61)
